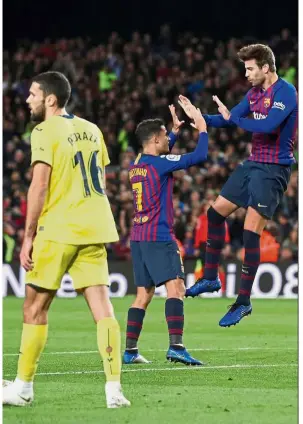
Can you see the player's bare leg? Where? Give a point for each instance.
(253, 227)
(254, 221)
(216, 216)
(224, 207)
(109, 342)
(143, 297)
(34, 335)
(135, 317)
(174, 312)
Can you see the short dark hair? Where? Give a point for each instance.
(54, 83)
(147, 128)
(261, 53)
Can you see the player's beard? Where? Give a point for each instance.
(39, 114)
(258, 81)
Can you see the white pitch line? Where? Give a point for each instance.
(84, 352)
(238, 366)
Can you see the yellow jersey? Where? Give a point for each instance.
(76, 209)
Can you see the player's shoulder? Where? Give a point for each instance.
(286, 86)
(51, 124)
(165, 162)
(88, 124)
(146, 160)
(159, 161)
(42, 126)
(46, 130)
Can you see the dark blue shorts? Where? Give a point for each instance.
(156, 262)
(259, 185)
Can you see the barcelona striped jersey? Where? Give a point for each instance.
(272, 116)
(151, 179)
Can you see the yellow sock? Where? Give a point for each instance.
(33, 341)
(109, 344)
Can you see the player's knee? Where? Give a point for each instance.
(143, 300)
(34, 314)
(214, 216)
(254, 221)
(175, 289)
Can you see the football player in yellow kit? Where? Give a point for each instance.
(68, 221)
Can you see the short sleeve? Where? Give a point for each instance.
(41, 146)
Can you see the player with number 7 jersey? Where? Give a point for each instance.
(155, 254)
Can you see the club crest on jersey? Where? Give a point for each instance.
(267, 102)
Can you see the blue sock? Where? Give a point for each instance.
(134, 326)
(250, 265)
(215, 243)
(175, 320)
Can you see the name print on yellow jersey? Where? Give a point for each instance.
(88, 136)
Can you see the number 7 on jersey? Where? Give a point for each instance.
(137, 189)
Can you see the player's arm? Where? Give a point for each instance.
(171, 163)
(36, 197)
(172, 137)
(284, 102)
(42, 160)
(221, 120)
(218, 121)
(177, 124)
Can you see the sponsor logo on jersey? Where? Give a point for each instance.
(259, 116)
(278, 105)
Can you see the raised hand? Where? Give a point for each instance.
(199, 122)
(222, 108)
(177, 124)
(186, 105)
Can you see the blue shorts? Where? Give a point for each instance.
(259, 185)
(156, 262)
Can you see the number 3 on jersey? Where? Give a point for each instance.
(137, 189)
(94, 170)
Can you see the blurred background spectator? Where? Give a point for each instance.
(118, 82)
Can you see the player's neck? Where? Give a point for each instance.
(55, 112)
(270, 80)
(150, 150)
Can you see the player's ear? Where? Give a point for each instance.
(265, 68)
(50, 100)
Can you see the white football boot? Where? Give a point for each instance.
(114, 395)
(17, 393)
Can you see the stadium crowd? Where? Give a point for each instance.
(116, 83)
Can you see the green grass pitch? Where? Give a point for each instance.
(250, 376)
